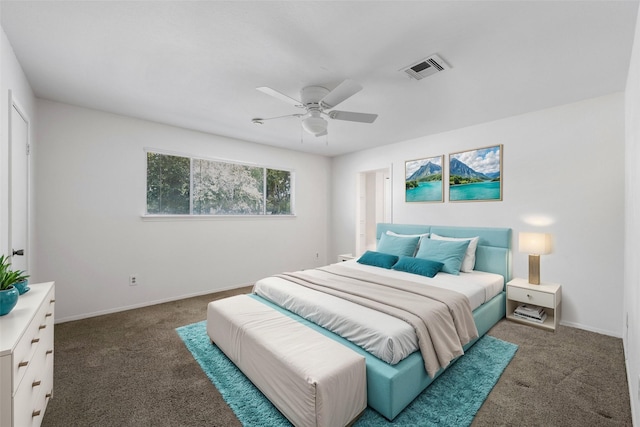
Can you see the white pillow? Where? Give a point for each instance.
(469, 260)
(421, 236)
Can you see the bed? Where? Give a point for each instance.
(397, 367)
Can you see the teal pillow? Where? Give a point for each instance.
(423, 267)
(378, 259)
(450, 253)
(398, 246)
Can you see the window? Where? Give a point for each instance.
(168, 184)
(180, 185)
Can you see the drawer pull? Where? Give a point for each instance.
(42, 326)
(35, 413)
(52, 300)
(48, 315)
(36, 383)
(49, 352)
(23, 364)
(528, 296)
(35, 340)
(48, 395)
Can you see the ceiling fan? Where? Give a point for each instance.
(317, 101)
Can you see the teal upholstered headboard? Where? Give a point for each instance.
(494, 246)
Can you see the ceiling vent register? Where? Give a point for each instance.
(426, 67)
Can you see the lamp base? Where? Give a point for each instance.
(534, 269)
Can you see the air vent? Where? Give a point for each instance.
(426, 67)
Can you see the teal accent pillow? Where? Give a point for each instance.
(398, 246)
(378, 259)
(450, 253)
(423, 267)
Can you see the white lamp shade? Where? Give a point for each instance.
(314, 124)
(534, 243)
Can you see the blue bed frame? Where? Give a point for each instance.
(390, 388)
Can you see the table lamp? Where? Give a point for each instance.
(534, 244)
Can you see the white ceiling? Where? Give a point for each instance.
(197, 64)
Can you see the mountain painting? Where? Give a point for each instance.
(423, 180)
(476, 175)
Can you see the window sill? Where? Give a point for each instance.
(158, 218)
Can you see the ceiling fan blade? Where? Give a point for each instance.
(343, 91)
(280, 96)
(261, 120)
(353, 117)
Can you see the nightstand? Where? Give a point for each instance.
(345, 257)
(547, 295)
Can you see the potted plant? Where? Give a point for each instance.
(8, 292)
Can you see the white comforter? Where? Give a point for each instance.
(384, 336)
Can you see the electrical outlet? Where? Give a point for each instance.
(133, 280)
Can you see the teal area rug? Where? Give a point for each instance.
(452, 400)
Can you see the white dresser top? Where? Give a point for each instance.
(13, 325)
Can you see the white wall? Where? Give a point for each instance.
(12, 79)
(632, 227)
(90, 175)
(562, 174)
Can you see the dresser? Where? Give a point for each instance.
(26, 357)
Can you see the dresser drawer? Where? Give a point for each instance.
(29, 398)
(39, 330)
(529, 296)
(33, 396)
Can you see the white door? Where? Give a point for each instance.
(374, 205)
(18, 188)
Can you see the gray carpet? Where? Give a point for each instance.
(132, 369)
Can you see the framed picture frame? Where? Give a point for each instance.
(476, 175)
(423, 180)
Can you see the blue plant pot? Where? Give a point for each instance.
(22, 287)
(8, 300)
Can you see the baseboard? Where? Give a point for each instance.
(591, 329)
(145, 304)
(634, 407)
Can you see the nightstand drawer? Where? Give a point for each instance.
(529, 296)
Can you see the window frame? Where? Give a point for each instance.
(191, 216)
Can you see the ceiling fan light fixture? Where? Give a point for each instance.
(314, 124)
(317, 100)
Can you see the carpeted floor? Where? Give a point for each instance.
(132, 369)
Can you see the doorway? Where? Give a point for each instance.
(374, 205)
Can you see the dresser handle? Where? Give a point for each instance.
(35, 413)
(42, 326)
(36, 383)
(48, 315)
(35, 340)
(528, 296)
(49, 352)
(48, 395)
(52, 300)
(23, 364)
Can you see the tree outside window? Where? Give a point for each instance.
(178, 185)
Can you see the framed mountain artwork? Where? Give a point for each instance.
(476, 175)
(423, 180)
